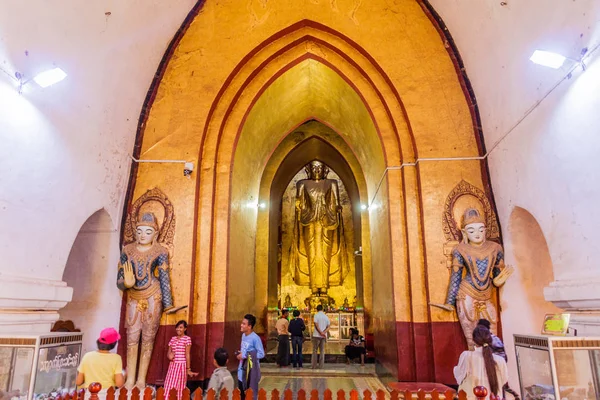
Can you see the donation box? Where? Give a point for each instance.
(39, 366)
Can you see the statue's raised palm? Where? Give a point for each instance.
(129, 277)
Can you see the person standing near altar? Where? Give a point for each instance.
(297, 328)
(283, 336)
(319, 337)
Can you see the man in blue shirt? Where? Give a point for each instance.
(251, 344)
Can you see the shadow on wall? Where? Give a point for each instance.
(523, 303)
(532, 259)
(91, 272)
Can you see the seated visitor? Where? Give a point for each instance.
(481, 367)
(221, 377)
(102, 366)
(356, 347)
(498, 349)
(497, 345)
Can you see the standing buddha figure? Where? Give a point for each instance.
(318, 255)
(477, 266)
(144, 275)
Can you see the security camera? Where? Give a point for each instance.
(188, 168)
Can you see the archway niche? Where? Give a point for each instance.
(522, 300)
(310, 146)
(91, 272)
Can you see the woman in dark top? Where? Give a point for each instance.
(356, 347)
(296, 329)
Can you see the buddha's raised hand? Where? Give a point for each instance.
(128, 276)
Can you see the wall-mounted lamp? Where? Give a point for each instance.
(554, 60)
(547, 59)
(49, 78)
(252, 204)
(44, 79)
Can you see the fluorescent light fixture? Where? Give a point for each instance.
(547, 59)
(50, 77)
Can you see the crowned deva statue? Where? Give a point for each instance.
(477, 266)
(318, 255)
(144, 275)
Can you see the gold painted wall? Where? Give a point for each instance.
(299, 293)
(242, 78)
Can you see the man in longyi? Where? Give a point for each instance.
(144, 274)
(318, 257)
(477, 266)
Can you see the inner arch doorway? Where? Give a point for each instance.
(345, 298)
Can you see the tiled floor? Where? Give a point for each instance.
(329, 370)
(333, 377)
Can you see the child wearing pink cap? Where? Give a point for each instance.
(102, 366)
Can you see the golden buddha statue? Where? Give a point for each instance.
(346, 305)
(287, 304)
(318, 255)
(477, 266)
(144, 275)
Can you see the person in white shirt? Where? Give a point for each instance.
(319, 336)
(481, 367)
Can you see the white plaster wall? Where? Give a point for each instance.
(548, 164)
(65, 149)
(91, 272)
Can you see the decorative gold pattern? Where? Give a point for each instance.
(167, 228)
(566, 344)
(16, 342)
(449, 225)
(480, 252)
(61, 339)
(478, 295)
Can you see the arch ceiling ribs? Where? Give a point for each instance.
(275, 56)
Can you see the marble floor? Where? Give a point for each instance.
(333, 377)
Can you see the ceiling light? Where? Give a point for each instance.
(547, 59)
(364, 206)
(50, 77)
(262, 205)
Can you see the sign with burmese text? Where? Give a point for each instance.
(56, 371)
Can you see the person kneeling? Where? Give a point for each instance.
(356, 347)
